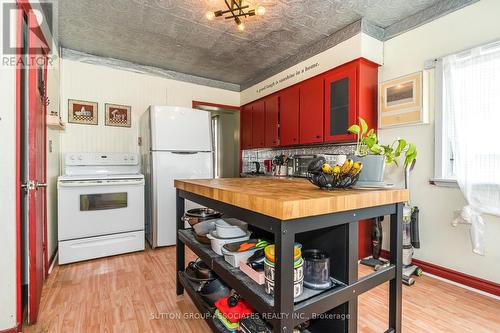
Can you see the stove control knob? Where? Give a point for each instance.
(72, 157)
(80, 157)
(132, 157)
(126, 158)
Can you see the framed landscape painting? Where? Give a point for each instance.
(402, 101)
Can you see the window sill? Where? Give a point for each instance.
(443, 182)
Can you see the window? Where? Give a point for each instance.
(468, 114)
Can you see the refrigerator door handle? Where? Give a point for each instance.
(185, 152)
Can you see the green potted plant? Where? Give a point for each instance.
(374, 155)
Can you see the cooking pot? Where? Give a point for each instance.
(212, 291)
(197, 215)
(199, 271)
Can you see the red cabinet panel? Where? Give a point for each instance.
(289, 116)
(311, 110)
(258, 124)
(246, 127)
(271, 128)
(340, 102)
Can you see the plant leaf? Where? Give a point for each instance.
(353, 129)
(364, 126)
(401, 145)
(376, 149)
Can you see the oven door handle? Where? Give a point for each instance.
(101, 183)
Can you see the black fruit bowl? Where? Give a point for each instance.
(326, 181)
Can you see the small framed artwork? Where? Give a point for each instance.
(82, 112)
(118, 115)
(403, 101)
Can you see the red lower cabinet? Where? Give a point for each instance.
(289, 116)
(271, 128)
(246, 127)
(258, 124)
(311, 110)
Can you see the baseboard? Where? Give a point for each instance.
(489, 287)
(10, 330)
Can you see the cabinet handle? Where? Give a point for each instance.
(318, 136)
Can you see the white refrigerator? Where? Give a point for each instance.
(176, 143)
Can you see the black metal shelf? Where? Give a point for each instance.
(250, 290)
(201, 304)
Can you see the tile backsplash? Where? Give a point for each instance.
(259, 155)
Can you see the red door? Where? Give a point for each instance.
(246, 127)
(289, 116)
(31, 147)
(340, 102)
(311, 110)
(271, 106)
(258, 124)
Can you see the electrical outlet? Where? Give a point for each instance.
(50, 146)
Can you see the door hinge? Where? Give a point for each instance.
(29, 185)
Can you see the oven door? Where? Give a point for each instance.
(92, 208)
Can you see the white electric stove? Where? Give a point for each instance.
(100, 206)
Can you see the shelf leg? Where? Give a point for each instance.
(352, 275)
(395, 285)
(180, 253)
(283, 283)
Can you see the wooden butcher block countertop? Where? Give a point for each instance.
(288, 198)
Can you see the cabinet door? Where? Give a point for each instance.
(289, 116)
(246, 127)
(271, 106)
(258, 124)
(311, 111)
(340, 103)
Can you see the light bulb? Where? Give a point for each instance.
(241, 27)
(210, 15)
(260, 10)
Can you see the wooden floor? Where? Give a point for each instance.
(136, 293)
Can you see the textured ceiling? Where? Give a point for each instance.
(175, 35)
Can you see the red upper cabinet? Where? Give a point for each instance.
(311, 110)
(350, 92)
(271, 128)
(289, 116)
(258, 124)
(246, 127)
(340, 102)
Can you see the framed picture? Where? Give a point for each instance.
(118, 115)
(82, 112)
(403, 101)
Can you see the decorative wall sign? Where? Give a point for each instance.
(403, 101)
(82, 112)
(118, 115)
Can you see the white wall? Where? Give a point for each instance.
(110, 85)
(441, 243)
(360, 45)
(7, 191)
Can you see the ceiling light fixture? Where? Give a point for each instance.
(236, 10)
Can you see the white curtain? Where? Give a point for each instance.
(471, 101)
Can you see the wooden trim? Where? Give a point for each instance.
(223, 106)
(455, 276)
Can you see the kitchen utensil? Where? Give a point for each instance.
(230, 228)
(211, 291)
(203, 228)
(197, 215)
(316, 269)
(256, 260)
(202, 238)
(217, 243)
(256, 275)
(232, 254)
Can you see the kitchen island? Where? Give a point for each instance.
(289, 211)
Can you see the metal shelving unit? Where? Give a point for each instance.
(315, 231)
